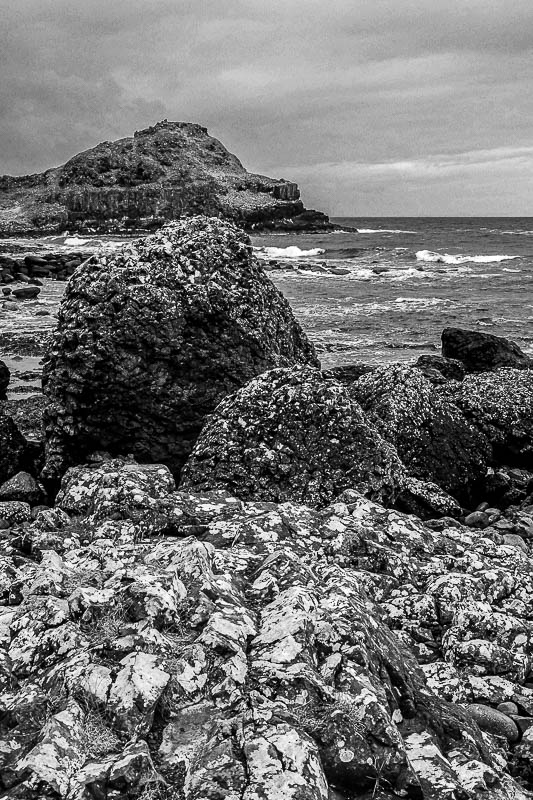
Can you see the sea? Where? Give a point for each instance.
(408, 278)
(400, 281)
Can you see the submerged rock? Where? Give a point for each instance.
(291, 435)
(151, 339)
(434, 440)
(483, 352)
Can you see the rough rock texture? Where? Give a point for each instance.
(433, 439)
(291, 435)
(500, 406)
(12, 448)
(285, 654)
(482, 352)
(438, 369)
(150, 340)
(161, 173)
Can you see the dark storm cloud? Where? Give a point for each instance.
(389, 106)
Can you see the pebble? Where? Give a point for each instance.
(507, 708)
(493, 721)
(513, 540)
(477, 519)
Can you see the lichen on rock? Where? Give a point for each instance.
(149, 340)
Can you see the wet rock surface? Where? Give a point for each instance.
(483, 352)
(292, 435)
(150, 340)
(277, 652)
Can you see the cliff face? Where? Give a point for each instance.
(161, 173)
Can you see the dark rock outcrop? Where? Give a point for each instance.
(482, 352)
(500, 405)
(433, 439)
(291, 435)
(150, 340)
(12, 448)
(4, 379)
(164, 172)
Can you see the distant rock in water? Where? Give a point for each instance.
(150, 340)
(483, 352)
(162, 173)
(291, 435)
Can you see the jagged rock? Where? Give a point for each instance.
(169, 170)
(426, 500)
(23, 487)
(482, 352)
(446, 368)
(12, 448)
(434, 441)
(306, 653)
(149, 342)
(500, 406)
(290, 434)
(4, 379)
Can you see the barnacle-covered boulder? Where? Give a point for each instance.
(500, 405)
(149, 340)
(434, 440)
(291, 434)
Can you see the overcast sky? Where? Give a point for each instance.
(375, 107)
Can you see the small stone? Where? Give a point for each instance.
(477, 519)
(482, 507)
(508, 708)
(493, 721)
(513, 540)
(8, 305)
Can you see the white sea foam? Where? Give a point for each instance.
(445, 258)
(75, 241)
(381, 230)
(289, 252)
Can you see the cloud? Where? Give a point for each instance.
(294, 82)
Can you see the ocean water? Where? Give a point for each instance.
(406, 279)
(403, 280)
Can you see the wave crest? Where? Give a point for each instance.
(446, 258)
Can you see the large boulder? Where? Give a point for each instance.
(291, 435)
(500, 405)
(151, 339)
(482, 352)
(433, 439)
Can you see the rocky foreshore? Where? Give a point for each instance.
(229, 575)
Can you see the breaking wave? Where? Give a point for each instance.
(381, 230)
(440, 258)
(289, 252)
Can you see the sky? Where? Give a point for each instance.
(375, 107)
